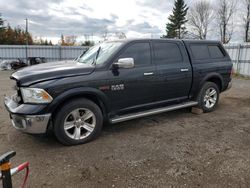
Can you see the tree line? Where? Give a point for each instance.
(18, 36)
(9, 35)
(201, 18)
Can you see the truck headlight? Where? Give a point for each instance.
(35, 95)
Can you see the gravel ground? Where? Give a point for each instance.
(175, 149)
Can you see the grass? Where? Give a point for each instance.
(240, 76)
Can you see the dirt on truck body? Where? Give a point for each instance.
(173, 149)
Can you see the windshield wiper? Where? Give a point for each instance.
(79, 57)
(97, 54)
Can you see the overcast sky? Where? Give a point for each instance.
(51, 18)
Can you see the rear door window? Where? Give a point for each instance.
(215, 52)
(200, 51)
(165, 52)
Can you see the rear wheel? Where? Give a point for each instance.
(78, 122)
(208, 97)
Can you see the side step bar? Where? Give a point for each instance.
(153, 111)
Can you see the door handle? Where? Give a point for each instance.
(148, 73)
(184, 70)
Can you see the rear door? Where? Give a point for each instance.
(174, 71)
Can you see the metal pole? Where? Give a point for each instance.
(238, 59)
(60, 52)
(6, 181)
(27, 40)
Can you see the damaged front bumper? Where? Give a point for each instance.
(24, 121)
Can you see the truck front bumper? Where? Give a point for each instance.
(28, 123)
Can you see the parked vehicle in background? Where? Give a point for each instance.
(12, 64)
(36, 60)
(19, 63)
(5, 65)
(117, 81)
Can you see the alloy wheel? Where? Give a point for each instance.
(210, 97)
(79, 123)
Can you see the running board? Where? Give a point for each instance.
(153, 111)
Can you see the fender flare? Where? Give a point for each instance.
(210, 76)
(78, 92)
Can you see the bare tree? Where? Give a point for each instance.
(225, 12)
(200, 16)
(246, 19)
(105, 35)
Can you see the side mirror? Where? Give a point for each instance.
(126, 63)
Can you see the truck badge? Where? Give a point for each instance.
(117, 87)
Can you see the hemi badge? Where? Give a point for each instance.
(104, 88)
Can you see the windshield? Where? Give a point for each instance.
(105, 49)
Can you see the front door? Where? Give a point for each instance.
(133, 87)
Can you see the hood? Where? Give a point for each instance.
(48, 71)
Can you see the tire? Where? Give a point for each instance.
(208, 97)
(77, 122)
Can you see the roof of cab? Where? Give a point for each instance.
(166, 39)
(188, 41)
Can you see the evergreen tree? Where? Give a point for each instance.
(2, 29)
(46, 42)
(62, 40)
(176, 27)
(1, 22)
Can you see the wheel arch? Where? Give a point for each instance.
(215, 78)
(91, 94)
(212, 77)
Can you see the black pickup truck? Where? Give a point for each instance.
(117, 81)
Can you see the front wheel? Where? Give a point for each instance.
(78, 122)
(208, 97)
